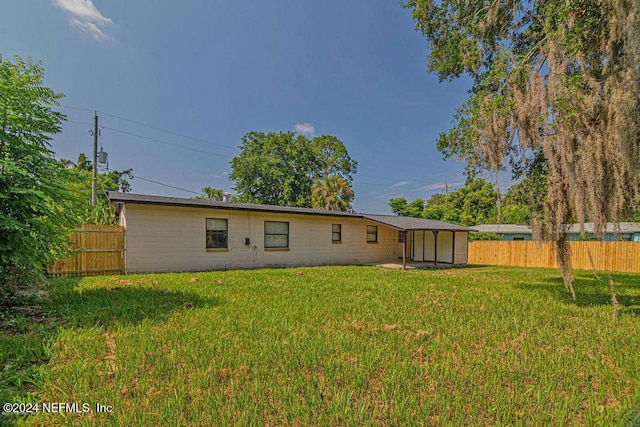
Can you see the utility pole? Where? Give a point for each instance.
(95, 159)
(446, 189)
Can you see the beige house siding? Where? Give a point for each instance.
(166, 238)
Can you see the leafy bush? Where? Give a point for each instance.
(37, 202)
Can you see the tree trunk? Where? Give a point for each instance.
(563, 257)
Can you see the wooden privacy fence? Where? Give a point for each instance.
(604, 256)
(100, 250)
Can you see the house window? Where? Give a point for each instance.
(276, 234)
(336, 233)
(372, 233)
(400, 236)
(217, 233)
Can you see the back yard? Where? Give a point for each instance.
(329, 346)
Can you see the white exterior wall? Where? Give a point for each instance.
(429, 246)
(168, 238)
(417, 245)
(445, 246)
(461, 247)
(423, 246)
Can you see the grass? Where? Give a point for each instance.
(330, 346)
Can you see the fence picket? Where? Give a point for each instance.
(100, 250)
(607, 256)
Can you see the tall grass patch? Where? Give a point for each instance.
(342, 345)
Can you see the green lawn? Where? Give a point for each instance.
(330, 346)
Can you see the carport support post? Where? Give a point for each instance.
(435, 247)
(404, 249)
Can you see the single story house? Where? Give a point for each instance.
(177, 234)
(629, 231)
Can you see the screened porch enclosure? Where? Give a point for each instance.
(427, 240)
(431, 245)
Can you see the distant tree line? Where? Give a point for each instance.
(472, 204)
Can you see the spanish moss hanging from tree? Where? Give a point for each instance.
(556, 78)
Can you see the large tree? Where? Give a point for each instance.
(556, 77)
(111, 180)
(210, 193)
(401, 207)
(279, 168)
(332, 193)
(332, 158)
(37, 203)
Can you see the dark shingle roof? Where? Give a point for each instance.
(408, 223)
(197, 203)
(398, 222)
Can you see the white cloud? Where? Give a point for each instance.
(400, 184)
(441, 186)
(436, 186)
(90, 28)
(84, 15)
(305, 129)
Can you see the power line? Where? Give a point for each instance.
(192, 138)
(79, 123)
(167, 131)
(77, 108)
(221, 155)
(151, 139)
(160, 183)
(165, 142)
(167, 185)
(150, 126)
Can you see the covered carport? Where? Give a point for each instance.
(427, 240)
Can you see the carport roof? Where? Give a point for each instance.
(408, 223)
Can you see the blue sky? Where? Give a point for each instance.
(214, 70)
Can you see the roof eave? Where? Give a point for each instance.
(120, 198)
(400, 228)
(385, 224)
